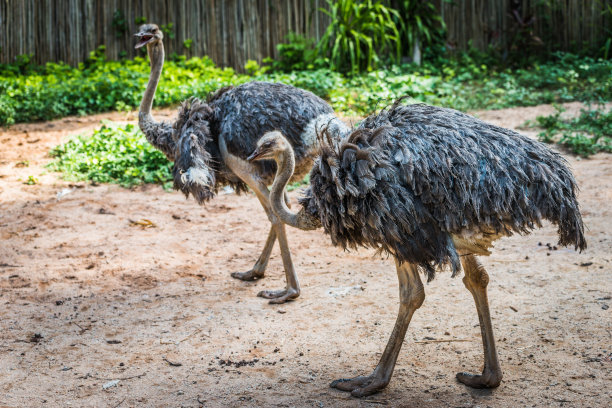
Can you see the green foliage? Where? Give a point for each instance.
(98, 85)
(359, 34)
(140, 20)
(119, 23)
(321, 82)
(297, 54)
(254, 69)
(187, 43)
(299, 184)
(469, 81)
(168, 30)
(7, 111)
(464, 83)
(589, 133)
(112, 154)
(420, 21)
(31, 181)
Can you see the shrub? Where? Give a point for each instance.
(297, 54)
(420, 25)
(112, 154)
(589, 133)
(469, 81)
(98, 85)
(359, 34)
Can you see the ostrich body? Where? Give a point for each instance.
(210, 141)
(431, 187)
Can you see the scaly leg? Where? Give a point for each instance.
(412, 296)
(292, 289)
(258, 270)
(476, 280)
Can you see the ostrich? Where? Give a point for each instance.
(431, 187)
(210, 141)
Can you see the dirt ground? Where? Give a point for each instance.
(97, 311)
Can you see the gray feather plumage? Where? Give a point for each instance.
(410, 177)
(239, 115)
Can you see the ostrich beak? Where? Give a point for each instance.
(144, 39)
(254, 156)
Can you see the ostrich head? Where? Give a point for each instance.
(148, 34)
(270, 146)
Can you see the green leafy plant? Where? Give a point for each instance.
(187, 43)
(119, 23)
(359, 35)
(112, 154)
(168, 30)
(31, 181)
(296, 54)
(253, 68)
(587, 134)
(98, 85)
(420, 26)
(140, 20)
(466, 81)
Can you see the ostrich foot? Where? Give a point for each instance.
(361, 386)
(488, 379)
(248, 276)
(279, 296)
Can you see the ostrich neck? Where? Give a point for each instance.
(156, 55)
(285, 166)
(285, 163)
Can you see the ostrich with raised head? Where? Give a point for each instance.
(431, 187)
(209, 144)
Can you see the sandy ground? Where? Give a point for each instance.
(99, 312)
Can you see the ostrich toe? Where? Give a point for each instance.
(361, 386)
(252, 275)
(279, 296)
(484, 380)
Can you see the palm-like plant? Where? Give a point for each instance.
(358, 32)
(420, 24)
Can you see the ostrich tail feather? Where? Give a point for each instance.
(192, 165)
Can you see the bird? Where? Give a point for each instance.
(211, 139)
(431, 187)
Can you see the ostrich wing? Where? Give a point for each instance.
(412, 177)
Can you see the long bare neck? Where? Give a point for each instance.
(156, 55)
(285, 166)
(159, 134)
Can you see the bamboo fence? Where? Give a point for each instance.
(234, 31)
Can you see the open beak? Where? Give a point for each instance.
(143, 39)
(255, 155)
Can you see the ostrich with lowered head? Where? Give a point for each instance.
(209, 144)
(431, 187)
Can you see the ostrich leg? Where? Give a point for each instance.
(258, 270)
(412, 296)
(476, 280)
(247, 173)
(292, 290)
